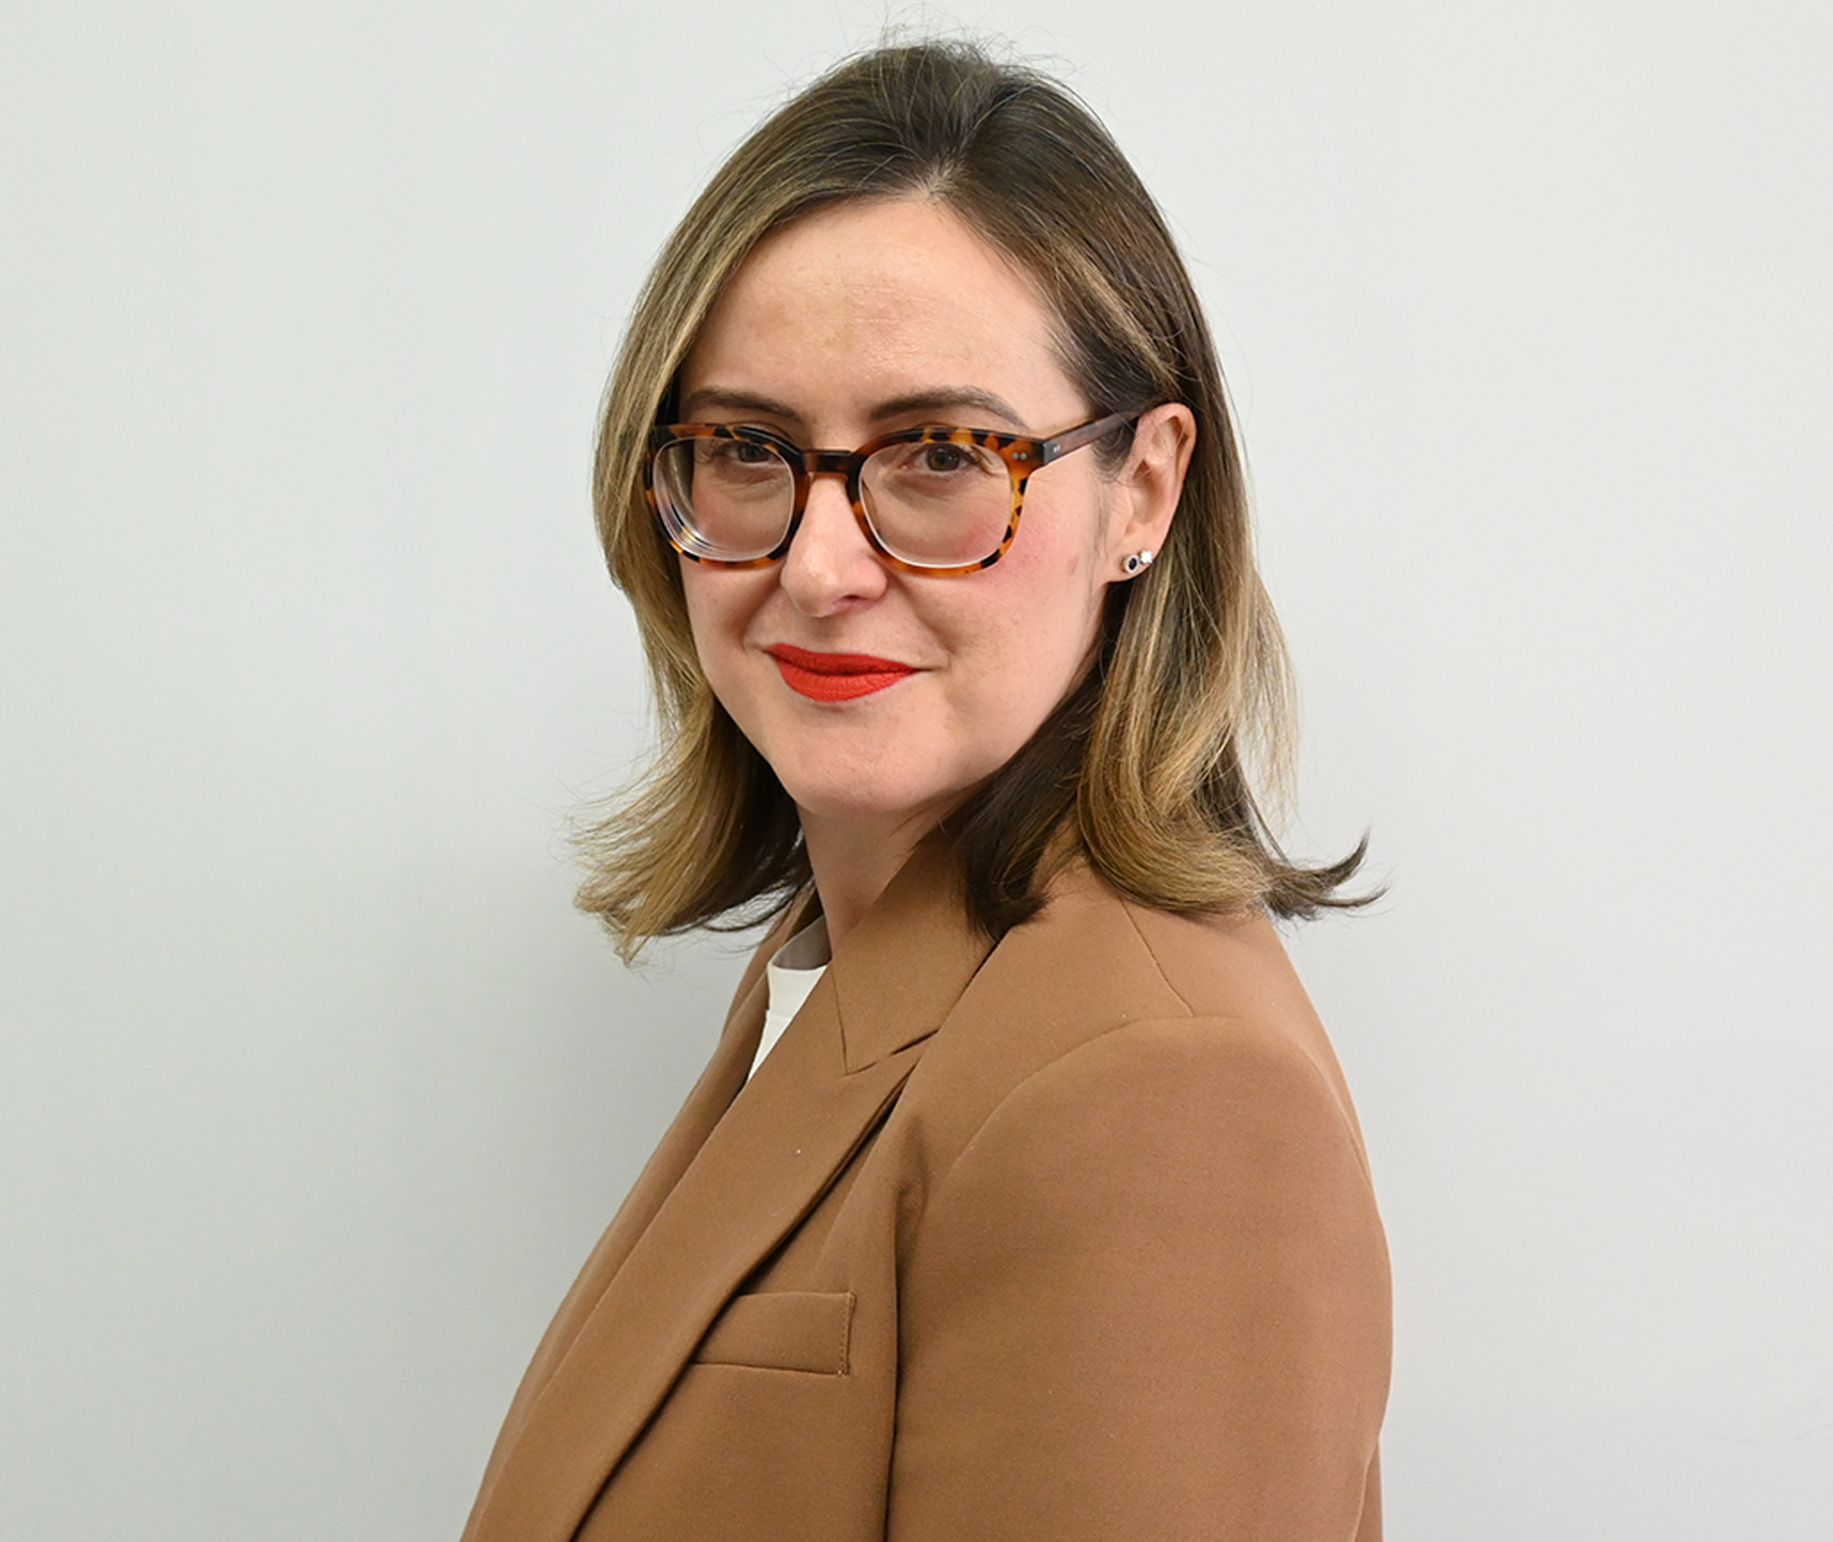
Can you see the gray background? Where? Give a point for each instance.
(313, 1091)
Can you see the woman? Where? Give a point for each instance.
(1047, 1215)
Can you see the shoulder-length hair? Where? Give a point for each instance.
(1142, 769)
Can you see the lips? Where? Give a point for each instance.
(835, 676)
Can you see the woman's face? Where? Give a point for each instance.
(851, 323)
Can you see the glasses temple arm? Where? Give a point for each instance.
(1051, 449)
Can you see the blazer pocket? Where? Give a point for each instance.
(783, 1330)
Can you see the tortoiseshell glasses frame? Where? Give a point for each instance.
(1020, 454)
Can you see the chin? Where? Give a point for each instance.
(853, 800)
(862, 796)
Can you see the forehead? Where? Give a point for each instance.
(877, 300)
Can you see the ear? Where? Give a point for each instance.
(1149, 483)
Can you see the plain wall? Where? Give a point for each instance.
(313, 1089)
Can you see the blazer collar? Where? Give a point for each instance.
(908, 961)
(816, 1099)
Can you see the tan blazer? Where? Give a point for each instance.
(1071, 1237)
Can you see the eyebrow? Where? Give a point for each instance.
(938, 399)
(948, 397)
(734, 401)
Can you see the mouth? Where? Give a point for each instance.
(835, 676)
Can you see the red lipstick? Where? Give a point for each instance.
(835, 676)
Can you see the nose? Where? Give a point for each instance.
(831, 566)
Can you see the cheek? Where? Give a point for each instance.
(1047, 596)
(720, 604)
(1031, 631)
(699, 621)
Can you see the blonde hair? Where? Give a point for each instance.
(1143, 768)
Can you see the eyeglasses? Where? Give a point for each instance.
(942, 501)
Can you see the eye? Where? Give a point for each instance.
(733, 454)
(944, 457)
(940, 459)
(734, 451)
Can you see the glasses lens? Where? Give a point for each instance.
(727, 499)
(942, 503)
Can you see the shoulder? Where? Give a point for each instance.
(1133, 1124)
(1094, 967)
(1139, 1029)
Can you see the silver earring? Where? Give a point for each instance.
(1135, 562)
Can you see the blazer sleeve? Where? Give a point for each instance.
(1149, 1299)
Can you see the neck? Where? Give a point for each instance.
(854, 860)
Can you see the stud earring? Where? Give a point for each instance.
(1135, 562)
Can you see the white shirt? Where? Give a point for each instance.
(793, 971)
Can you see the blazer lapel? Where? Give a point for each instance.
(818, 1096)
